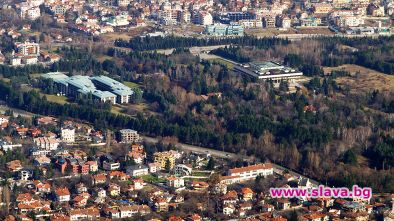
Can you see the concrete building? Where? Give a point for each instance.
(183, 170)
(224, 30)
(202, 18)
(251, 172)
(268, 70)
(129, 136)
(161, 159)
(122, 92)
(46, 143)
(175, 182)
(68, 134)
(269, 22)
(27, 48)
(137, 170)
(101, 88)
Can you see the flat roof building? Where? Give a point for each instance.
(101, 87)
(129, 136)
(268, 70)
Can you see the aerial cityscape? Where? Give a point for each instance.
(197, 110)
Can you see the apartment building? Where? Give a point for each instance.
(128, 136)
(27, 48)
(161, 159)
(46, 143)
(251, 172)
(202, 18)
(68, 134)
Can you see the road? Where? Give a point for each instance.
(17, 112)
(227, 155)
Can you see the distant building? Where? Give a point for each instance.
(269, 22)
(283, 22)
(224, 30)
(175, 182)
(269, 70)
(129, 136)
(251, 172)
(27, 48)
(183, 170)
(228, 17)
(137, 170)
(98, 87)
(161, 159)
(203, 18)
(123, 3)
(322, 8)
(68, 134)
(46, 143)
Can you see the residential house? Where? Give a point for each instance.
(62, 194)
(14, 166)
(175, 182)
(247, 194)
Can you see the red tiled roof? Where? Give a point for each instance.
(252, 167)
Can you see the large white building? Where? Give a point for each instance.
(251, 172)
(27, 11)
(183, 170)
(28, 48)
(175, 182)
(202, 18)
(46, 143)
(348, 21)
(101, 87)
(68, 134)
(269, 70)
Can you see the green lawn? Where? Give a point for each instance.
(152, 179)
(229, 65)
(56, 99)
(131, 84)
(199, 173)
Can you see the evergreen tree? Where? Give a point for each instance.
(168, 166)
(210, 164)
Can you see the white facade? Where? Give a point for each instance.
(182, 170)
(111, 165)
(68, 135)
(33, 13)
(251, 172)
(46, 143)
(203, 18)
(175, 182)
(137, 171)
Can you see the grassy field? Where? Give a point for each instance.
(152, 179)
(131, 84)
(229, 65)
(56, 99)
(366, 80)
(116, 110)
(200, 173)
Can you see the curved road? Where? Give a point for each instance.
(226, 155)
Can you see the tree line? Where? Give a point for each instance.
(158, 42)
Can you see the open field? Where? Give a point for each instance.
(152, 179)
(131, 84)
(270, 32)
(366, 80)
(229, 65)
(56, 99)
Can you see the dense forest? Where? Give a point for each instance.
(155, 43)
(343, 139)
